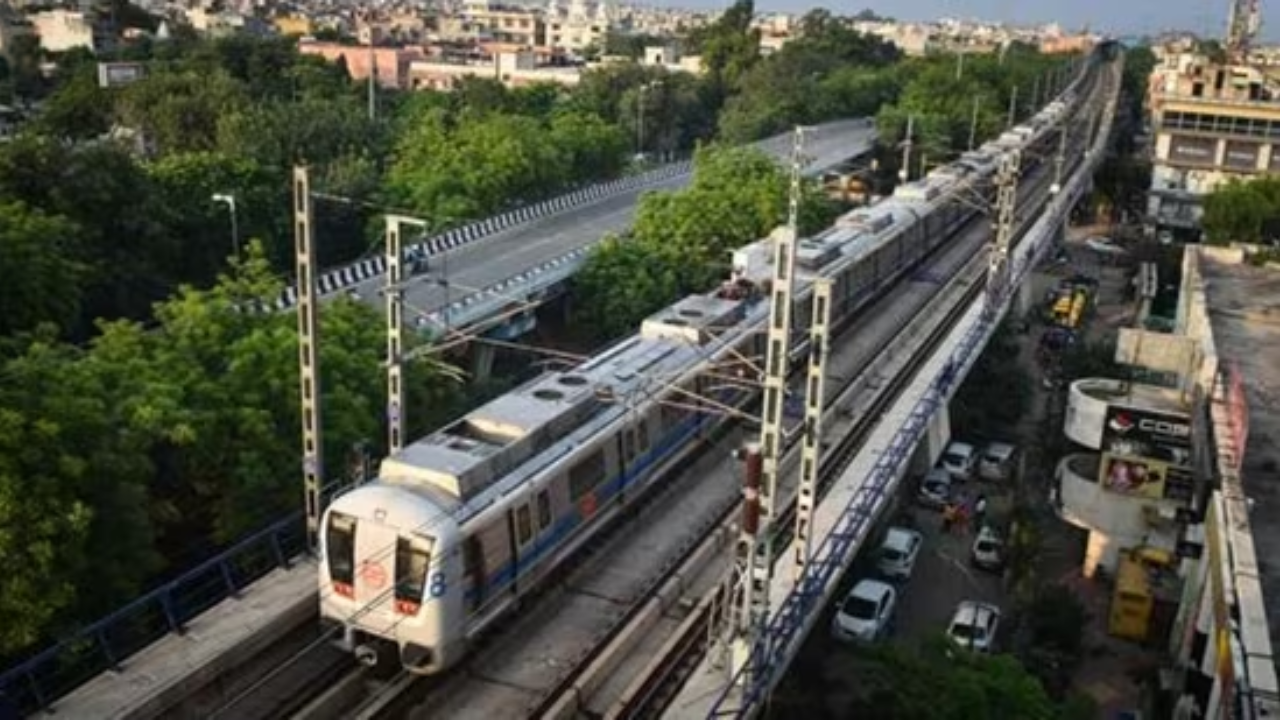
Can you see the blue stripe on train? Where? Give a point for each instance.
(563, 527)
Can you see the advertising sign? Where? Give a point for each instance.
(1148, 435)
(1242, 155)
(1192, 150)
(1140, 477)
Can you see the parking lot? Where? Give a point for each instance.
(942, 577)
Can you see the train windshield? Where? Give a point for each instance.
(340, 550)
(413, 559)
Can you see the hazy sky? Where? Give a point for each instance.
(1207, 17)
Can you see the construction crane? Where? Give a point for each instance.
(1242, 26)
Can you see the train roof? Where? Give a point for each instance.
(473, 454)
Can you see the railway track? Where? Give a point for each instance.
(662, 618)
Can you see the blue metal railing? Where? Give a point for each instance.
(35, 684)
(769, 654)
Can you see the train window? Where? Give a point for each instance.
(340, 548)
(524, 526)
(544, 510)
(643, 431)
(628, 444)
(586, 475)
(413, 560)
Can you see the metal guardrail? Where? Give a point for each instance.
(516, 289)
(35, 684)
(344, 277)
(789, 623)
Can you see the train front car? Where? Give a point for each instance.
(389, 574)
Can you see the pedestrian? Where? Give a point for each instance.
(948, 516)
(962, 520)
(980, 512)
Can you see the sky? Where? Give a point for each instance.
(1118, 17)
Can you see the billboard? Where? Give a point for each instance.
(1140, 435)
(115, 74)
(1139, 477)
(1242, 155)
(1193, 150)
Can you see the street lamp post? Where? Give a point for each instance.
(640, 115)
(230, 201)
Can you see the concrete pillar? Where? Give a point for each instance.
(1025, 299)
(481, 362)
(1102, 552)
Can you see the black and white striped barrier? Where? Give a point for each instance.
(477, 305)
(335, 280)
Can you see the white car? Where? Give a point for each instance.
(959, 460)
(935, 489)
(988, 550)
(866, 613)
(997, 461)
(896, 557)
(974, 626)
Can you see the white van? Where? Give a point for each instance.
(997, 461)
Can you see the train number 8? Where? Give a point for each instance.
(437, 587)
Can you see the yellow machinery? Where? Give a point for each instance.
(1143, 595)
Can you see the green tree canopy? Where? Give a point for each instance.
(1243, 211)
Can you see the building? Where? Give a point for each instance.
(63, 30)
(1210, 123)
(509, 65)
(392, 64)
(578, 26)
(1159, 476)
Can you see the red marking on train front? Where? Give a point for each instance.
(373, 575)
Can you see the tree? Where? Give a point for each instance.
(179, 111)
(100, 188)
(75, 537)
(729, 47)
(1241, 211)
(40, 271)
(78, 109)
(933, 682)
(185, 185)
(996, 395)
(682, 242)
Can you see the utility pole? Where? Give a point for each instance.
(1013, 107)
(1035, 94)
(959, 64)
(1059, 160)
(904, 174)
(998, 249)
(373, 67)
(973, 122)
(814, 404)
(395, 330)
(754, 616)
(308, 354)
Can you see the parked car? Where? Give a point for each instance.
(935, 489)
(959, 459)
(987, 552)
(974, 626)
(896, 557)
(866, 613)
(997, 461)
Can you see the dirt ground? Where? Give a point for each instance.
(1244, 309)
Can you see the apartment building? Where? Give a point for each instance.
(1210, 122)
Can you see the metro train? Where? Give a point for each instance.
(463, 523)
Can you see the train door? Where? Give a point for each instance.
(375, 575)
(473, 567)
(522, 545)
